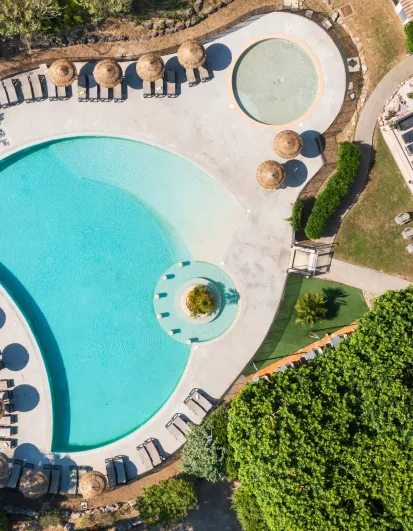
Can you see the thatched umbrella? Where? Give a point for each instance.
(92, 484)
(33, 484)
(270, 174)
(288, 144)
(150, 67)
(62, 73)
(191, 54)
(107, 73)
(4, 466)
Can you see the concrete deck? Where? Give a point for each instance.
(203, 125)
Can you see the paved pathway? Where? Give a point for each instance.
(364, 137)
(363, 278)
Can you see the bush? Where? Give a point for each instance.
(166, 503)
(311, 308)
(4, 521)
(50, 519)
(408, 31)
(248, 511)
(98, 519)
(336, 189)
(200, 301)
(297, 213)
(206, 450)
(328, 445)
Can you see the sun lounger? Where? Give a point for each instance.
(402, 218)
(177, 434)
(407, 233)
(405, 123)
(110, 472)
(4, 100)
(81, 471)
(118, 92)
(159, 88)
(153, 453)
(72, 487)
(51, 88)
(47, 471)
(148, 89)
(26, 89)
(144, 457)
(81, 88)
(195, 408)
(8, 420)
(5, 385)
(410, 248)
(9, 442)
(182, 425)
(15, 474)
(335, 341)
(408, 137)
(93, 88)
(1, 365)
(310, 355)
(204, 72)
(326, 24)
(190, 76)
(37, 87)
(104, 93)
(120, 470)
(11, 91)
(171, 83)
(202, 401)
(55, 483)
(61, 93)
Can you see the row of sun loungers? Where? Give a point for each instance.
(201, 73)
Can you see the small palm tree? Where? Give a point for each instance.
(311, 308)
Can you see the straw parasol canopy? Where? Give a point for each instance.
(288, 144)
(270, 174)
(191, 54)
(4, 466)
(62, 73)
(107, 73)
(33, 484)
(150, 67)
(92, 484)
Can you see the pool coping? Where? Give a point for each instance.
(314, 57)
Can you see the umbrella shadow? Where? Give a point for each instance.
(311, 148)
(87, 69)
(219, 56)
(131, 77)
(296, 173)
(26, 397)
(15, 357)
(2, 318)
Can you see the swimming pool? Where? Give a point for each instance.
(84, 242)
(276, 81)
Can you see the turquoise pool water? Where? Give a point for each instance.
(82, 255)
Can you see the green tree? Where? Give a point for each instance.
(106, 8)
(27, 17)
(311, 308)
(4, 521)
(248, 511)
(50, 519)
(329, 445)
(408, 31)
(205, 453)
(166, 503)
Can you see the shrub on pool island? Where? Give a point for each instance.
(166, 503)
(336, 189)
(200, 301)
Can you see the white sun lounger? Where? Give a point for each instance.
(55, 483)
(182, 425)
(144, 457)
(72, 487)
(118, 92)
(61, 93)
(81, 88)
(5, 385)
(120, 470)
(153, 453)
(110, 472)
(148, 89)
(93, 88)
(195, 408)
(4, 100)
(190, 76)
(310, 355)
(8, 420)
(202, 401)
(177, 434)
(159, 88)
(204, 72)
(26, 89)
(15, 474)
(6, 431)
(104, 93)
(47, 471)
(51, 87)
(171, 83)
(37, 87)
(11, 91)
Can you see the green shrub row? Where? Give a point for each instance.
(297, 215)
(408, 30)
(336, 189)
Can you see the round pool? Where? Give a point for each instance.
(82, 250)
(277, 81)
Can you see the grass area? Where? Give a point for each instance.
(368, 235)
(377, 25)
(345, 304)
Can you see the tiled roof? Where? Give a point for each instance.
(407, 8)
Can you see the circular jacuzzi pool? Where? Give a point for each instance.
(277, 81)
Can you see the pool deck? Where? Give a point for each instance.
(202, 125)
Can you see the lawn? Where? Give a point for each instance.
(368, 235)
(345, 304)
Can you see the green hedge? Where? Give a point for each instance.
(297, 215)
(336, 189)
(408, 30)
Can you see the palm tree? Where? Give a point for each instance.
(311, 308)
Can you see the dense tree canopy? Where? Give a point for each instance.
(329, 446)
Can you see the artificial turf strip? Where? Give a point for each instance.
(345, 304)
